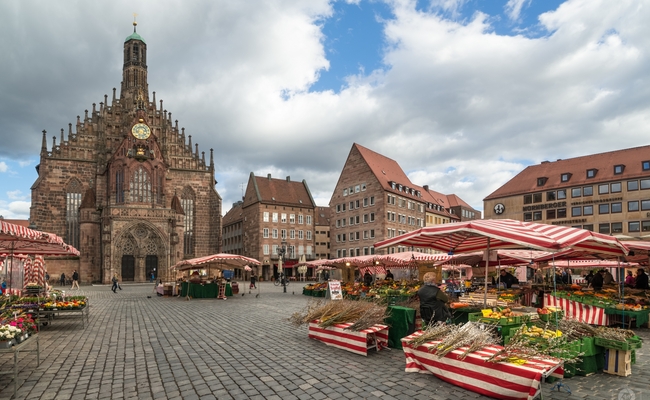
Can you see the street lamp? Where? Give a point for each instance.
(282, 249)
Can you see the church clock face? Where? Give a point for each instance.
(141, 131)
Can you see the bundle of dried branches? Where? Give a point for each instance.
(617, 334)
(474, 336)
(362, 314)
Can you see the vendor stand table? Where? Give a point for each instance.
(15, 349)
(496, 380)
(401, 321)
(597, 315)
(167, 290)
(199, 290)
(578, 311)
(356, 342)
(51, 313)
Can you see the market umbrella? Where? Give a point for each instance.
(231, 260)
(17, 239)
(28, 272)
(475, 235)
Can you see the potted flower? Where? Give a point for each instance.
(8, 334)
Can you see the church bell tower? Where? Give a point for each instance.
(135, 89)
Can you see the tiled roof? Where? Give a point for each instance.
(281, 191)
(233, 215)
(322, 216)
(526, 180)
(455, 201)
(387, 170)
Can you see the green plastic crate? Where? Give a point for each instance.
(589, 365)
(478, 317)
(632, 343)
(551, 316)
(588, 347)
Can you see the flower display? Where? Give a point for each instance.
(8, 332)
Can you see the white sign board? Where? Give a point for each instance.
(334, 290)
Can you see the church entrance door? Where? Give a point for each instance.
(151, 263)
(128, 268)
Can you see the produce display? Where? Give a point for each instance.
(607, 298)
(382, 289)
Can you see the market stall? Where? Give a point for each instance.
(510, 381)
(358, 342)
(205, 287)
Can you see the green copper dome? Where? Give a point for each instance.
(135, 36)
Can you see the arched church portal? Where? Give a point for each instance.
(141, 252)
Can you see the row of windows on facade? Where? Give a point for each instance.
(587, 210)
(605, 188)
(342, 237)
(366, 251)
(366, 201)
(468, 213)
(283, 234)
(291, 250)
(401, 202)
(617, 227)
(356, 220)
(354, 189)
(282, 217)
(404, 219)
(592, 172)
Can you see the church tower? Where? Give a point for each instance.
(135, 89)
(127, 186)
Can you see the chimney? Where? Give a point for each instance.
(426, 187)
(288, 178)
(269, 176)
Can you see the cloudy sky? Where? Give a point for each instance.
(463, 94)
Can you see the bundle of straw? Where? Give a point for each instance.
(361, 314)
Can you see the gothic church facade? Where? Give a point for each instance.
(126, 186)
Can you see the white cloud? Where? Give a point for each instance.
(15, 209)
(16, 195)
(513, 8)
(461, 107)
(3, 166)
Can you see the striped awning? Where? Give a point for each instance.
(17, 239)
(220, 259)
(478, 235)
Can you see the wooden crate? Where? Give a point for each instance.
(618, 362)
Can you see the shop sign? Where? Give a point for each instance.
(546, 206)
(334, 290)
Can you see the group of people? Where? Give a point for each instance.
(75, 279)
(603, 277)
(640, 281)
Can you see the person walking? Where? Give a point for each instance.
(115, 284)
(75, 280)
(62, 280)
(152, 277)
(253, 281)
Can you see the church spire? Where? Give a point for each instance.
(135, 88)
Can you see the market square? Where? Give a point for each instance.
(140, 347)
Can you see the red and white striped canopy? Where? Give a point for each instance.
(395, 260)
(503, 257)
(469, 236)
(16, 239)
(222, 259)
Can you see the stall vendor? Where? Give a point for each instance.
(433, 301)
(507, 279)
(641, 279)
(598, 279)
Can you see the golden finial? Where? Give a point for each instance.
(135, 23)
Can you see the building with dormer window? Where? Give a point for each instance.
(126, 187)
(607, 193)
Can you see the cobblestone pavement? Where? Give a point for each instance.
(137, 347)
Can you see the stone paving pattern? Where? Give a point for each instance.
(137, 347)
